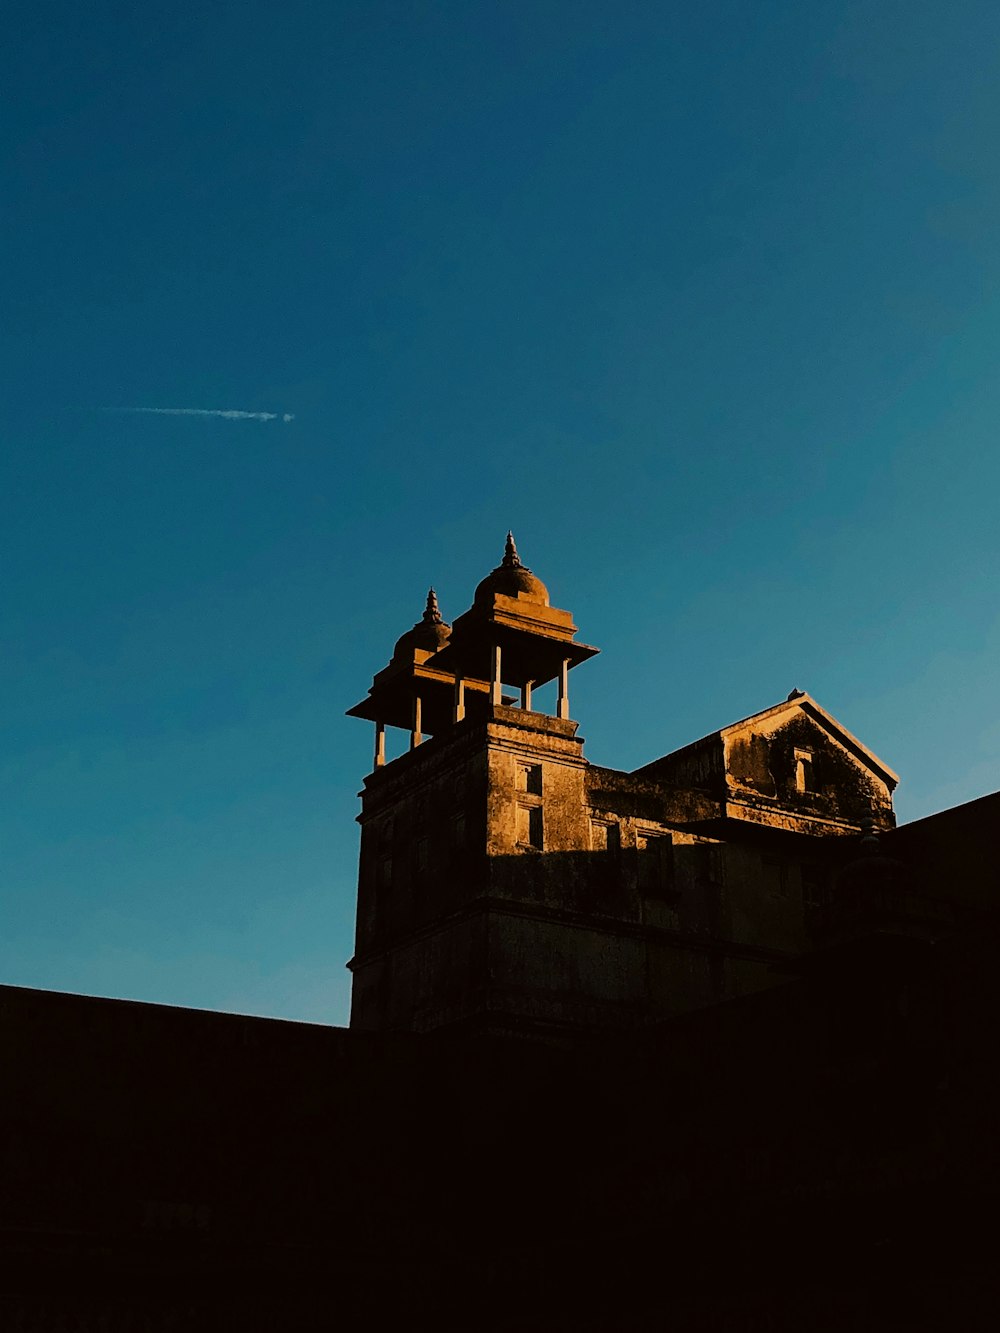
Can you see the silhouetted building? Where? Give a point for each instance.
(507, 884)
(706, 1046)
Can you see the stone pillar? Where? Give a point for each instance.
(496, 693)
(562, 708)
(526, 695)
(459, 698)
(415, 735)
(379, 744)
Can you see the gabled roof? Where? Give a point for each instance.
(807, 704)
(798, 701)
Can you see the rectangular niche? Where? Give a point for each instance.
(529, 826)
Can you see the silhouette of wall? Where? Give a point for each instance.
(818, 1155)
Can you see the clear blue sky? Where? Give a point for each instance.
(701, 299)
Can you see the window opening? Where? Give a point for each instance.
(529, 826)
(656, 863)
(804, 776)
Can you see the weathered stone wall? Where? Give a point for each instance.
(506, 881)
(534, 762)
(699, 764)
(552, 972)
(435, 978)
(762, 767)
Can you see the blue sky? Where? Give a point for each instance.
(702, 300)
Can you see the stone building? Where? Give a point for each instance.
(766, 1099)
(508, 884)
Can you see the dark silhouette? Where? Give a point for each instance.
(709, 1046)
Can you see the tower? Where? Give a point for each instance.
(447, 893)
(508, 884)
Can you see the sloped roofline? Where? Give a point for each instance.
(807, 702)
(802, 700)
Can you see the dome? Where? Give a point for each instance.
(512, 579)
(429, 634)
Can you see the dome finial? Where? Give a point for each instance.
(510, 556)
(432, 612)
(512, 578)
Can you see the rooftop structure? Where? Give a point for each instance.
(507, 883)
(439, 674)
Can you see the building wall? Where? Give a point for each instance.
(432, 979)
(506, 881)
(821, 1156)
(794, 769)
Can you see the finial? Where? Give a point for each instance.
(510, 556)
(432, 613)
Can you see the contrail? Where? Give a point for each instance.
(228, 415)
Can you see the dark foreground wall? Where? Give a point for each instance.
(821, 1156)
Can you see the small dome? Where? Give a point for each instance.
(512, 579)
(429, 634)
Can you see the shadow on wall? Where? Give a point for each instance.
(828, 1146)
(701, 887)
